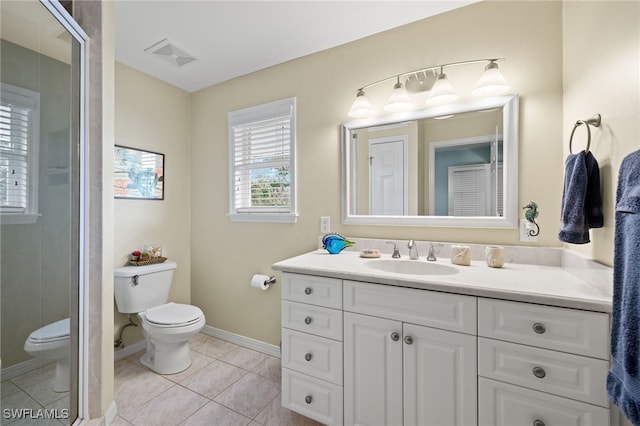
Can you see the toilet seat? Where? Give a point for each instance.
(173, 315)
(53, 332)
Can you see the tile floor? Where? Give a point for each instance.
(33, 391)
(226, 384)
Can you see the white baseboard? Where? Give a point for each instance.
(247, 342)
(238, 339)
(129, 350)
(111, 413)
(22, 367)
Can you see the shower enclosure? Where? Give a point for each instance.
(41, 214)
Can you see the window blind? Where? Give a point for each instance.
(261, 141)
(14, 157)
(469, 190)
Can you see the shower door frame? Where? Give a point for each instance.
(79, 318)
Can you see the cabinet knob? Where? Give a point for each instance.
(395, 336)
(308, 320)
(307, 290)
(539, 328)
(538, 423)
(539, 372)
(308, 356)
(308, 399)
(408, 340)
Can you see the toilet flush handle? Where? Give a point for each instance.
(135, 280)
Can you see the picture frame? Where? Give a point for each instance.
(138, 174)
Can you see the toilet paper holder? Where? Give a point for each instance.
(261, 281)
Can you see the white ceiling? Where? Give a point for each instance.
(234, 38)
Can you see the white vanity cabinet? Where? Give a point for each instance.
(541, 365)
(355, 352)
(312, 347)
(400, 372)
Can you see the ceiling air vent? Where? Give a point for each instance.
(169, 51)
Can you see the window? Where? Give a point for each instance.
(262, 163)
(19, 126)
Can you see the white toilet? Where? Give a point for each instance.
(167, 327)
(52, 342)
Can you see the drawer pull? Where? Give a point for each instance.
(308, 320)
(308, 356)
(307, 290)
(408, 340)
(308, 399)
(539, 372)
(538, 423)
(539, 328)
(395, 336)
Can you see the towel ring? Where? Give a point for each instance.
(593, 121)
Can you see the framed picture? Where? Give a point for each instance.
(138, 174)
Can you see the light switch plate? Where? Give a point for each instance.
(325, 224)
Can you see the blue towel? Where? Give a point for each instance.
(623, 380)
(593, 199)
(581, 200)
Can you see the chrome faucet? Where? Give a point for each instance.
(413, 250)
(396, 252)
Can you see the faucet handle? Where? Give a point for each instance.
(433, 249)
(432, 254)
(396, 252)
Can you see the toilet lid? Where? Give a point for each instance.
(55, 331)
(173, 313)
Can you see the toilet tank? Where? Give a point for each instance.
(138, 288)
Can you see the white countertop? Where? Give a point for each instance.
(543, 284)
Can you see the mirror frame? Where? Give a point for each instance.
(510, 105)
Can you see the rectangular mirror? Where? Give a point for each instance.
(453, 165)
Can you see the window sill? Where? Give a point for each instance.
(264, 217)
(18, 219)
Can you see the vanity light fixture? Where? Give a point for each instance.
(435, 81)
(361, 107)
(492, 82)
(442, 91)
(399, 100)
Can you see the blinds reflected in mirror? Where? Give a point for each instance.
(18, 146)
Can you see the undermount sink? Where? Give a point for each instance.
(411, 267)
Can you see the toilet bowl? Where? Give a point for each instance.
(167, 329)
(167, 326)
(52, 342)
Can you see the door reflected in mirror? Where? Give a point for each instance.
(454, 167)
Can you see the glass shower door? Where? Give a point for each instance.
(39, 215)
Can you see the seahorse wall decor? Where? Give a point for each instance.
(531, 214)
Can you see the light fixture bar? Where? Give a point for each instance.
(440, 90)
(432, 68)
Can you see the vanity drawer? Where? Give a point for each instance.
(501, 404)
(316, 320)
(562, 329)
(423, 307)
(312, 355)
(311, 397)
(320, 291)
(563, 374)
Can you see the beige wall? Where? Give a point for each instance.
(155, 116)
(224, 255)
(535, 37)
(601, 75)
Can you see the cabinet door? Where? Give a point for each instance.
(372, 370)
(440, 377)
